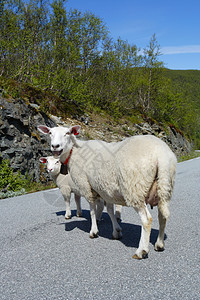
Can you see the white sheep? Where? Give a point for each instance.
(64, 183)
(137, 171)
(67, 186)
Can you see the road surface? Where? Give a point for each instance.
(44, 256)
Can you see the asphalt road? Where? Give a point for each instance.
(44, 256)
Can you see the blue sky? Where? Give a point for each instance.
(176, 25)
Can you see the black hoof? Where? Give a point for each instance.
(94, 236)
(144, 254)
(159, 249)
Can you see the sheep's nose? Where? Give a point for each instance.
(55, 146)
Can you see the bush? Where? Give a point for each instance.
(12, 194)
(10, 181)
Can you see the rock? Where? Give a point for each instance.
(34, 106)
(20, 141)
(85, 119)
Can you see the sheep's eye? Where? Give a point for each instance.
(57, 162)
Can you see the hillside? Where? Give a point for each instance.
(22, 144)
(186, 80)
(185, 76)
(70, 64)
(185, 85)
(72, 56)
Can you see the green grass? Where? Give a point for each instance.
(191, 155)
(36, 187)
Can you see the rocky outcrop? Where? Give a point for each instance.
(20, 141)
(173, 137)
(110, 132)
(22, 144)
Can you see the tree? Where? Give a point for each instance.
(150, 76)
(9, 31)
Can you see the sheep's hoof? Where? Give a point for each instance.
(79, 215)
(144, 255)
(67, 217)
(136, 257)
(159, 249)
(94, 235)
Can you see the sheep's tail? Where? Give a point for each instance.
(165, 184)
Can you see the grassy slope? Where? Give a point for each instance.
(186, 79)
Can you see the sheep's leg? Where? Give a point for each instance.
(66, 192)
(94, 229)
(145, 216)
(68, 210)
(118, 209)
(117, 231)
(78, 205)
(163, 214)
(100, 207)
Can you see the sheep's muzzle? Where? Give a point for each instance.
(57, 153)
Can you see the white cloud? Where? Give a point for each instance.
(180, 49)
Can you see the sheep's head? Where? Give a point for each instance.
(53, 164)
(62, 138)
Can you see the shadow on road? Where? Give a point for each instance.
(131, 233)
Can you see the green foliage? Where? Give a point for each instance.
(9, 194)
(9, 180)
(185, 89)
(14, 184)
(191, 155)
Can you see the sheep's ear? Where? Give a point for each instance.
(43, 160)
(44, 129)
(74, 129)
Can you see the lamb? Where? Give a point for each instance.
(64, 183)
(67, 186)
(137, 171)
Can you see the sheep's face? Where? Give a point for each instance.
(53, 164)
(61, 138)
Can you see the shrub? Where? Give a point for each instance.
(9, 180)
